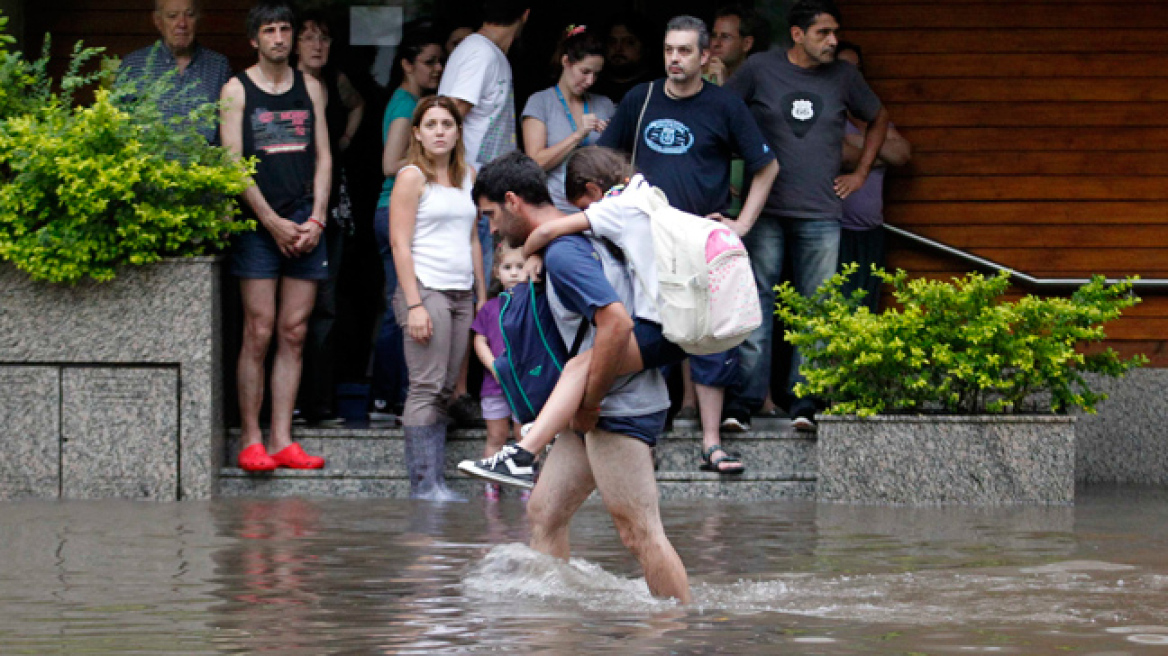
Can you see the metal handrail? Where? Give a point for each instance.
(1018, 276)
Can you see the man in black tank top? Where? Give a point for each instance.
(276, 114)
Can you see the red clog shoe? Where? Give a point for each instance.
(294, 457)
(255, 458)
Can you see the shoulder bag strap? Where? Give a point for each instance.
(640, 117)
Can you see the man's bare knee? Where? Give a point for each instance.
(633, 528)
(292, 335)
(543, 515)
(257, 333)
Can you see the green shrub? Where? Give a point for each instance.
(953, 347)
(89, 188)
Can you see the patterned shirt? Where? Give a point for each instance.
(200, 83)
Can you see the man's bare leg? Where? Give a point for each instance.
(259, 319)
(296, 299)
(564, 484)
(623, 471)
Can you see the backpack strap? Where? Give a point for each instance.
(578, 341)
(637, 133)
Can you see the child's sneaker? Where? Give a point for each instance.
(512, 465)
(492, 492)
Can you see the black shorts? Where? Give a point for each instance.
(255, 255)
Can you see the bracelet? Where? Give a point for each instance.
(415, 305)
(313, 219)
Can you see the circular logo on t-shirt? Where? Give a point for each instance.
(669, 137)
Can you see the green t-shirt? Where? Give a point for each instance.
(401, 105)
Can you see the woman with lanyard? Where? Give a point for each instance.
(560, 119)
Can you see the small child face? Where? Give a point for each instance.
(511, 269)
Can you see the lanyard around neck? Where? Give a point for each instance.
(568, 110)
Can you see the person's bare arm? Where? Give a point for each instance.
(232, 100)
(550, 156)
(549, 230)
(463, 106)
(483, 349)
(896, 151)
(322, 178)
(403, 207)
(760, 187)
(613, 328)
(353, 102)
(848, 183)
(397, 142)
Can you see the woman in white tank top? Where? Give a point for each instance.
(440, 276)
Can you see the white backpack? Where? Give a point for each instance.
(707, 297)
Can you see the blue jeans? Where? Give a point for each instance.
(390, 378)
(488, 245)
(813, 247)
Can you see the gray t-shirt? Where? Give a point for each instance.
(546, 107)
(802, 113)
(583, 276)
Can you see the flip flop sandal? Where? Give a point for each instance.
(712, 464)
(255, 458)
(294, 457)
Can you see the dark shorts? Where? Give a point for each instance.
(255, 255)
(656, 351)
(716, 369)
(645, 428)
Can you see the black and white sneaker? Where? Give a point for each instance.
(512, 465)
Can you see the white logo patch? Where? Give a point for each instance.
(804, 110)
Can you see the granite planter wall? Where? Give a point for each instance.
(931, 460)
(1126, 442)
(112, 389)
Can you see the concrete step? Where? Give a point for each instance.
(390, 483)
(363, 448)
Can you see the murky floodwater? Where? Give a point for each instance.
(297, 576)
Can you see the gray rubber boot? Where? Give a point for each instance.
(425, 448)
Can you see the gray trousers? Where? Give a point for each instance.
(434, 366)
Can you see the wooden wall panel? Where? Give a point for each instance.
(1040, 131)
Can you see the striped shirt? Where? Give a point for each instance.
(200, 83)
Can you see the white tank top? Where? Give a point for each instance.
(442, 231)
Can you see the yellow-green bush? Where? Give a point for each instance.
(953, 347)
(89, 188)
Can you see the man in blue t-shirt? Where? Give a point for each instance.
(619, 418)
(683, 133)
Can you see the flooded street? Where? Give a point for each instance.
(297, 576)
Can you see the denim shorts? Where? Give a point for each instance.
(255, 255)
(656, 351)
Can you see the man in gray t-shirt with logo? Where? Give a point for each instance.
(801, 98)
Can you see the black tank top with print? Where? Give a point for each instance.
(278, 130)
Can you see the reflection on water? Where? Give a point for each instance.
(296, 576)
